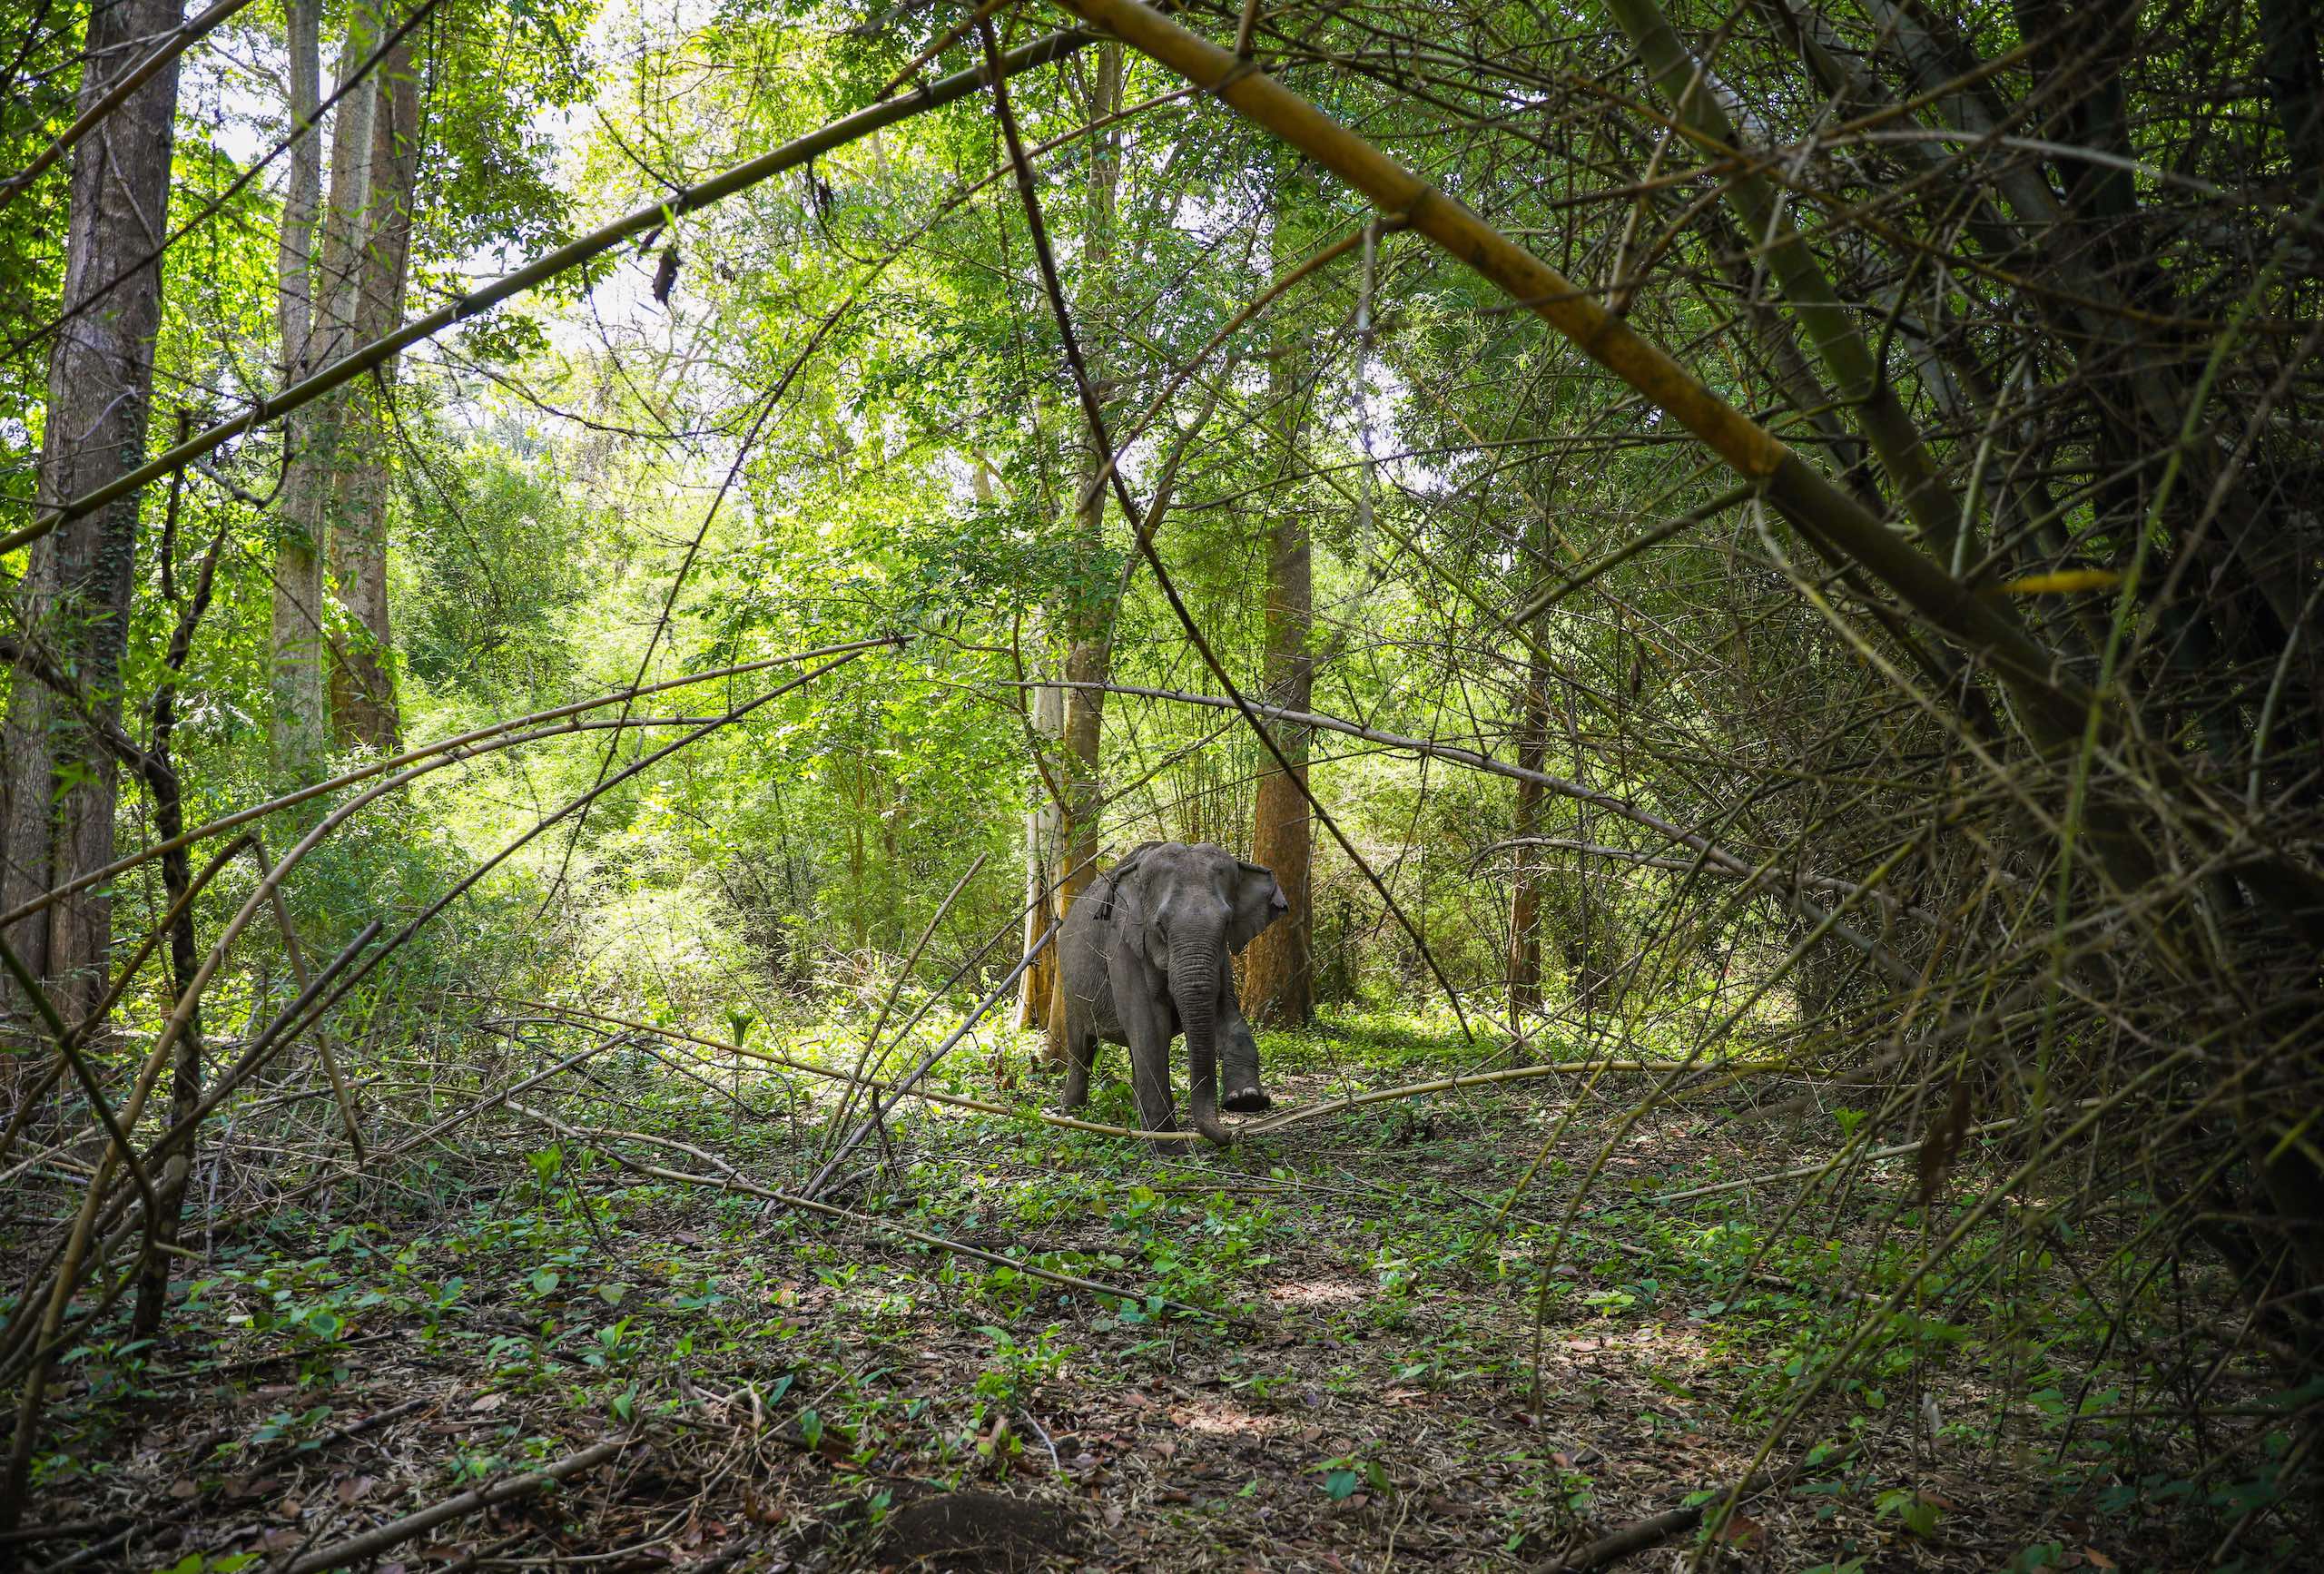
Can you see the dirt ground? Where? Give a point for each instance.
(1358, 1389)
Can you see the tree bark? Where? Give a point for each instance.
(310, 482)
(1090, 649)
(294, 309)
(2295, 76)
(362, 691)
(165, 788)
(1279, 970)
(1042, 825)
(1533, 755)
(57, 779)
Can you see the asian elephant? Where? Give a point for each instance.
(1142, 957)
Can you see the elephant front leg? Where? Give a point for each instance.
(1239, 1056)
(1149, 1068)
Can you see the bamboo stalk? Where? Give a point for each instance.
(357, 1549)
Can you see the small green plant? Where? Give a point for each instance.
(1348, 1475)
(1912, 1509)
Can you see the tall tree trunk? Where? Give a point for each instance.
(362, 692)
(2295, 76)
(1279, 970)
(1090, 647)
(310, 483)
(165, 790)
(57, 780)
(294, 307)
(1533, 755)
(1043, 821)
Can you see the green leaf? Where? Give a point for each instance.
(1340, 1485)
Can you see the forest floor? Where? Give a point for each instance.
(1359, 1390)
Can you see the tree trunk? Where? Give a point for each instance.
(294, 308)
(1042, 823)
(2295, 77)
(362, 692)
(1090, 649)
(311, 481)
(1279, 970)
(165, 790)
(1533, 755)
(57, 780)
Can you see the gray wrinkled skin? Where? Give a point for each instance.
(1143, 958)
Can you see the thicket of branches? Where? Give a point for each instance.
(1814, 526)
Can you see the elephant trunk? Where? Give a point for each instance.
(1197, 950)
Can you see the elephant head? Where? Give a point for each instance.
(1197, 906)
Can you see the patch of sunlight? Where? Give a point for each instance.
(1224, 1418)
(1319, 1292)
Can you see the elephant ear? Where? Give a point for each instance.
(1134, 904)
(1258, 901)
(1113, 878)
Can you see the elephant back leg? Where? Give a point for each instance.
(1079, 1052)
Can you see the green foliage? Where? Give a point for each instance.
(492, 560)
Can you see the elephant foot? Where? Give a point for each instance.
(1247, 1100)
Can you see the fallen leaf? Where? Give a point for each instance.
(183, 1490)
(2098, 1559)
(1741, 1531)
